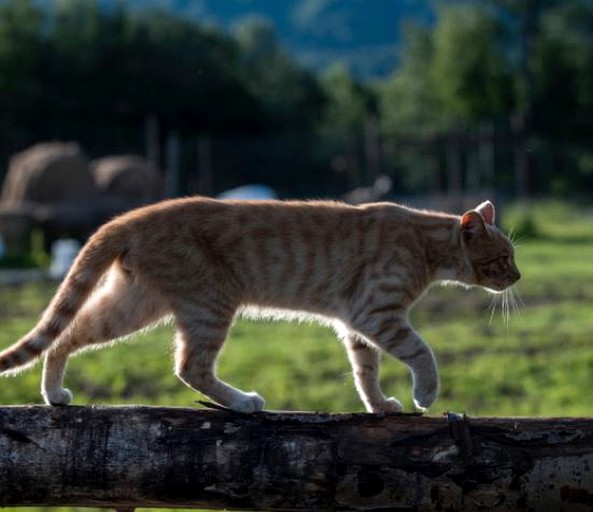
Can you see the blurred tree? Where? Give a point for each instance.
(407, 101)
(349, 107)
(553, 67)
(469, 69)
(73, 69)
(83, 45)
(151, 62)
(522, 19)
(348, 104)
(457, 71)
(411, 108)
(562, 103)
(563, 71)
(21, 48)
(290, 96)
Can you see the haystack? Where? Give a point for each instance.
(127, 177)
(48, 173)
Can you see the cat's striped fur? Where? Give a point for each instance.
(203, 261)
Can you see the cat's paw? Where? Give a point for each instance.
(419, 407)
(389, 405)
(59, 396)
(247, 402)
(422, 401)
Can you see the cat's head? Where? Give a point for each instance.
(488, 251)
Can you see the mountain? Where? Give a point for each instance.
(363, 34)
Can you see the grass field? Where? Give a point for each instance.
(539, 363)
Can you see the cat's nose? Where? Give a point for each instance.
(516, 275)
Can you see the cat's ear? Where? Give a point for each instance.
(472, 225)
(486, 210)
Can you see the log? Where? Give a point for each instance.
(132, 456)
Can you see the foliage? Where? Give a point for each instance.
(456, 71)
(408, 103)
(524, 70)
(20, 57)
(78, 62)
(469, 71)
(521, 70)
(563, 68)
(289, 96)
(346, 112)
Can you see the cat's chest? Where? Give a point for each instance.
(401, 277)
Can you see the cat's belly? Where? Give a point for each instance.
(319, 315)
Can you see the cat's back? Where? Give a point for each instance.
(236, 223)
(199, 211)
(272, 227)
(229, 222)
(252, 219)
(234, 228)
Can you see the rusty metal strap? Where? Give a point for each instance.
(461, 434)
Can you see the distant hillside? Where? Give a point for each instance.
(364, 34)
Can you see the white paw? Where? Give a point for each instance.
(247, 402)
(59, 396)
(422, 401)
(389, 405)
(424, 396)
(419, 407)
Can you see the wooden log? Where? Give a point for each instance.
(125, 457)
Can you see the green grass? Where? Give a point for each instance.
(540, 363)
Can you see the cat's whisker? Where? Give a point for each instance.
(510, 303)
(510, 306)
(505, 308)
(516, 302)
(519, 300)
(512, 236)
(505, 301)
(492, 307)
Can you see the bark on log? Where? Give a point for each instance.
(173, 457)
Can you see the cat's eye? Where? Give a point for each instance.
(505, 259)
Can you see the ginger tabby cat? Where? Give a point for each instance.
(204, 261)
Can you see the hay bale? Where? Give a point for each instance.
(128, 177)
(47, 173)
(16, 224)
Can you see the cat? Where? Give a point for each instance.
(203, 261)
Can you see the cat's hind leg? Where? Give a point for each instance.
(202, 328)
(121, 306)
(365, 367)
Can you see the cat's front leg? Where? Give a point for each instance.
(395, 336)
(365, 368)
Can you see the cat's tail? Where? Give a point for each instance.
(94, 259)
